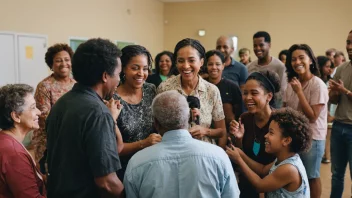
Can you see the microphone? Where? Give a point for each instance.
(193, 102)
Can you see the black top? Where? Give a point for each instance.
(135, 121)
(154, 79)
(81, 144)
(231, 93)
(251, 132)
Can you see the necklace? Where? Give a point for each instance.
(256, 142)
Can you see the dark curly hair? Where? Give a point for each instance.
(295, 125)
(314, 67)
(158, 57)
(53, 50)
(92, 58)
(189, 42)
(209, 54)
(275, 81)
(131, 51)
(12, 98)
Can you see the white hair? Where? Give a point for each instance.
(171, 110)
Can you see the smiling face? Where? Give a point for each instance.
(136, 71)
(215, 67)
(261, 48)
(254, 96)
(28, 118)
(300, 62)
(62, 64)
(225, 46)
(188, 63)
(165, 64)
(274, 141)
(349, 46)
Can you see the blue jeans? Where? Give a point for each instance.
(312, 159)
(341, 154)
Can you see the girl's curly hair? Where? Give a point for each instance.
(295, 125)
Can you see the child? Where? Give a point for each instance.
(289, 134)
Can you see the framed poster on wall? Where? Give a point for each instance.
(76, 41)
(122, 44)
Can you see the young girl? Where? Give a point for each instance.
(307, 93)
(289, 134)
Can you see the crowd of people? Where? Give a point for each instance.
(200, 124)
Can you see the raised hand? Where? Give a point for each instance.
(233, 153)
(236, 128)
(296, 85)
(198, 131)
(115, 107)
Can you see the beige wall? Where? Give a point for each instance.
(62, 19)
(320, 23)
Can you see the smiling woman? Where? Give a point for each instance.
(307, 93)
(19, 176)
(258, 95)
(58, 58)
(189, 56)
(135, 120)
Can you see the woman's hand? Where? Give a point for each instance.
(233, 153)
(198, 131)
(152, 139)
(115, 107)
(296, 85)
(236, 128)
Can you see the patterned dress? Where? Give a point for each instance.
(47, 93)
(135, 121)
(209, 96)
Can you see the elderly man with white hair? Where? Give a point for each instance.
(179, 166)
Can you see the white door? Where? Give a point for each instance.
(31, 64)
(8, 74)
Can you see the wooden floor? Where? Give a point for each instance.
(325, 174)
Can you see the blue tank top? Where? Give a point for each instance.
(303, 191)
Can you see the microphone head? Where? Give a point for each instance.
(193, 102)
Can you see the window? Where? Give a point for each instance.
(75, 42)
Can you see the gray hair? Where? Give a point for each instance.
(171, 110)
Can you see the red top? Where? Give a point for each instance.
(19, 176)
